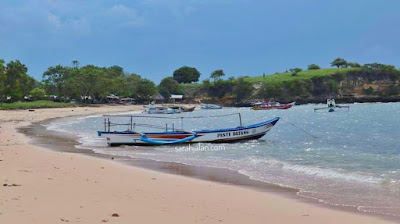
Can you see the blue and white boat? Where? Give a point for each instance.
(170, 135)
(210, 106)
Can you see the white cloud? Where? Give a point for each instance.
(53, 20)
(125, 16)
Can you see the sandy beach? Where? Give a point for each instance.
(44, 186)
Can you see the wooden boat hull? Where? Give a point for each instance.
(242, 133)
(273, 107)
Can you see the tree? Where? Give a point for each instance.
(242, 90)
(37, 93)
(55, 77)
(294, 71)
(313, 67)
(186, 74)
(217, 75)
(75, 64)
(145, 89)
(220, 88)
(2, 80)
(354, 65)
(168, 86)
(339, 62)
(17, 82)
(130, 84)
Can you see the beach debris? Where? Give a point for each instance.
(112, 157)
(115, 215)
(11, 185)
(31, 110)
(64, 220)
(154, 178)
(305, 215)
(102, 167)
(104, 220)
(25, 171)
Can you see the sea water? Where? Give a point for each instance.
(345, 158)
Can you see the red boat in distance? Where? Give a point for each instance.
(271, 106)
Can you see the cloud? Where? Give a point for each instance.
(125, 16)
(53, 20)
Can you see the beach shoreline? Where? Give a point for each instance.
(255, 209)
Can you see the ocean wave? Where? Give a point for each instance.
(319, 172)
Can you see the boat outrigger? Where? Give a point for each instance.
(171, 135)
(331, 105)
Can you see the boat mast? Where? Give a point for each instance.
(240, 119)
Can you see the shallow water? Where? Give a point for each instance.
(348, 157)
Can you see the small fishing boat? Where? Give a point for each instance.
(331, 106)
(272, 105)
(160, 110)
(170, 135)
(210, 106)
(180, 107)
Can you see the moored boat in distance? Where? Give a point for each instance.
(170, 135)
(180, 107)
(331, 106)
(210, 106)
(272, 105)
(160, 110)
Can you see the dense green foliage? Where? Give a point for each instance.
(217, 75)
(37, 93)
(168, 86)
(313, 67)
(186, 74)
(339, 62)
(242, 89)
(14, 80)
(92, 82)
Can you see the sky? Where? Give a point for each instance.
(152, 38)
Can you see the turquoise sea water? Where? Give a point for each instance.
(353, 161)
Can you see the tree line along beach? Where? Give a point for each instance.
(90, 84)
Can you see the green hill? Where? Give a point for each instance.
(303, 75)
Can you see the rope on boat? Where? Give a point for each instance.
(301, 129)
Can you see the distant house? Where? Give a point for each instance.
(176, 98)
(158, 98)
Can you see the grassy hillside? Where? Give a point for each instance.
(306, 74)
